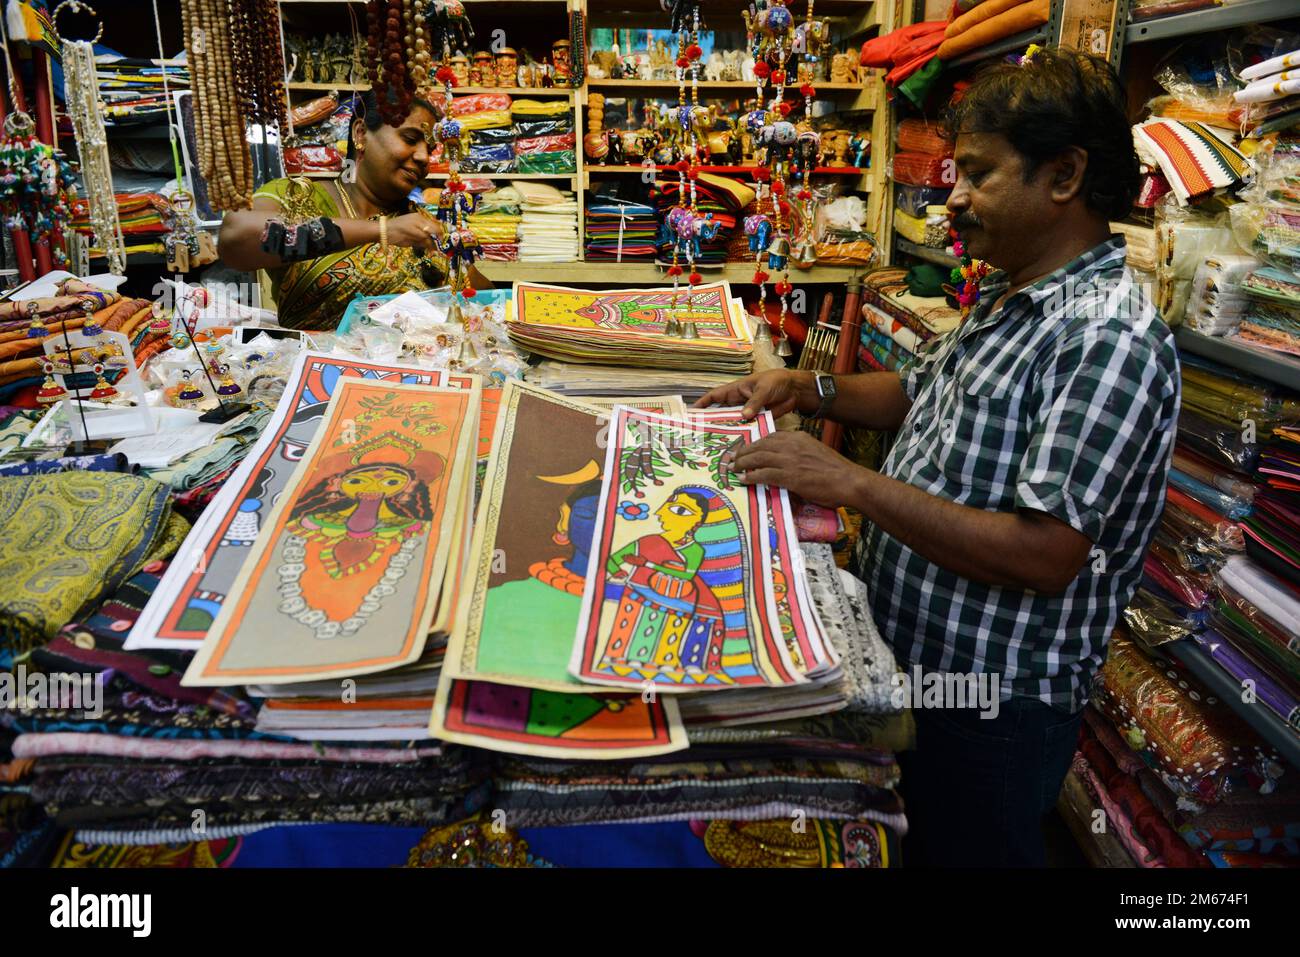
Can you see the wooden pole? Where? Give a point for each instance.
(847, 353)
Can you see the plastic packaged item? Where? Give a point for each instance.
(1217, 301)
(545, 144)
(489, 167)
(462, 106)
(493, 136)
(928, 230)
(540, 108)
(1190, 588)
(1187, 516)
(484, 120)
(528, 127)
(1262, 599)
(313, 111)
(1170, 718)
(312, 159)
(914, 199)
(1223, 503)
(494, 153)
(556, 163)
(919, 136)
(1198, 469)
(923, 169)
(1155, 621)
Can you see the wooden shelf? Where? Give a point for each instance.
(728, 170)
(1253, 360)
(326, 87)
(524, 92)
(649, 273)
(536, 176)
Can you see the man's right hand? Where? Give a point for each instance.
(777, 390)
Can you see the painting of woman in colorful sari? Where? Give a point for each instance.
(681, 614)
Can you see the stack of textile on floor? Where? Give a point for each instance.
(620, 232)
(909, 55)
(495, 223)
(132, 89)
(896, 323)
(486, 125)
(722, 199)
(545, 141)
(548, 228)
(988, 22)
(1183, 780)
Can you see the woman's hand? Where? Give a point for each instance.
(415, 230)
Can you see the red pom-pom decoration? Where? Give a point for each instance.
(693, 173)
(761, 69)
(693, 52)
(778, 187)
(445, 75)
(783, 288)
(785, 208)
(683, 62)
(469, 292)
(804, 194)
(785, 108)
(695, 279)
(674, 270)
(760, 277)
(808, 90)
(778, 76)
(762, 174)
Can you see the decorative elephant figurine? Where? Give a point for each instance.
(685, 229)
(778, 139)
(808, 146)
(771, 19)
(759, 230)
(809, 38)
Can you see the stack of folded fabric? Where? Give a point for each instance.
(141, 216)
(1183, 781)
(620, 232)
(545, 140)
(1272, 316)
(1196, 159)
(548, 227)
(495, 223)
(989, 22)
(487, 127)
(720, 197)
(1218, 301)
(132, 89)
(909, 54)
(897, 323)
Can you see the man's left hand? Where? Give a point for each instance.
(798, 462)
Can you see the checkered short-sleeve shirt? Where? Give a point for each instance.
(1064, 401)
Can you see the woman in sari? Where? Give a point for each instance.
(349, 223)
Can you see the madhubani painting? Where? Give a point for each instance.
(634, 311)
(345, 576)
(531, 542)
(594, 724)
(677, 591)
(190, 594)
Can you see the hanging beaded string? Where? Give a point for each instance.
(220, 123)
(808, 91)
(693, 56)
(258, 56)
(36, 181)
(87, 113)
(687, 209)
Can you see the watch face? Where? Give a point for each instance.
(826, 386)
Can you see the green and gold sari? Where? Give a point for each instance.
(315, 293)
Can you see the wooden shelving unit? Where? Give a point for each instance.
(544, 20)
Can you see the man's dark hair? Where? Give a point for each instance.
(1059, 99)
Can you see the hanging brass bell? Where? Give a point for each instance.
(763, 337)
(467, 354)
(805, 254)
(672, 327)
(780, 246)
(454, 313)
(689, 331)
(783, 347)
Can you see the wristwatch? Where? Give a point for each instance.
(826, 392)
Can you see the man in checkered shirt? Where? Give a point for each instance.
(1009, 521)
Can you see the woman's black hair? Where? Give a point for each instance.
(1059, 99)
(366, 106)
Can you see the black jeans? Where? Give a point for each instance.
(976, 789)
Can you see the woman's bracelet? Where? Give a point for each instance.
(298, 241)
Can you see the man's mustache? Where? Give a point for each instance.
(966, 221)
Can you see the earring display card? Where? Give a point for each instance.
(111, 351)
(347, 574)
